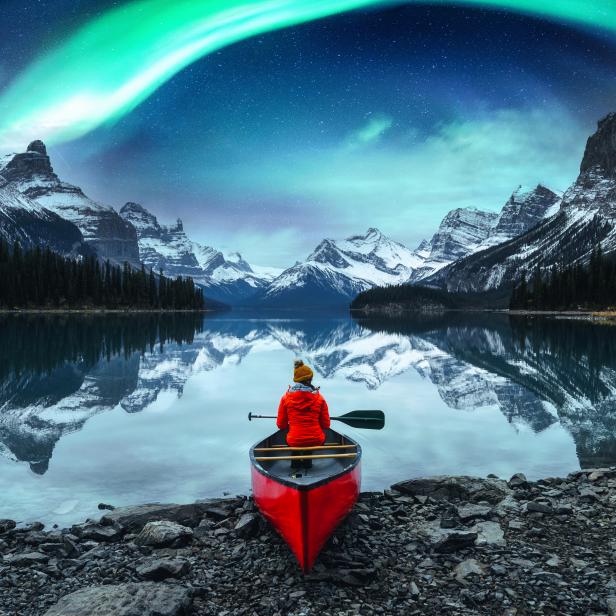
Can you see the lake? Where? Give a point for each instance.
(143, 408)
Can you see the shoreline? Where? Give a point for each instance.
(397, 311)
(436, 545)
(102, 311)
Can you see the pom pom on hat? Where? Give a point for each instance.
(301, 373)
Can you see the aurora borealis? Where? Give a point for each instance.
(362, 118)
(106, 68)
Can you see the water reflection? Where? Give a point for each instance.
(547, 377)
(539, 370)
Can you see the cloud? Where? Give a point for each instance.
(371, 132)
(407, 187)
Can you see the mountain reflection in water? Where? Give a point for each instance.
(59, 373)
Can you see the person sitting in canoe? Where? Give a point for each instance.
(303, 410)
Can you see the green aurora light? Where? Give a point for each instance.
(103, 70)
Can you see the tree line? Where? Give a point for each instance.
(41, 278)
(84, 340)
(575, 287)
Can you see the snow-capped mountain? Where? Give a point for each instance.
(102, 227)
(160, 247)
(585, 218)
(459, 234)
(229, 278)
(27, 222)
(466, 231)
(336, 271)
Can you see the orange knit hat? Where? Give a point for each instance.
(302, 373)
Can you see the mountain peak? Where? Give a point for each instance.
(601, 148)
(38, 146)
(26, 165)
(132, 207)
(371, 235)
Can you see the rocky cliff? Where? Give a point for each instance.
(32, 174)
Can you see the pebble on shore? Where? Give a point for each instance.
(440, 545)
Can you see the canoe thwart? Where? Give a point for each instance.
(283, 448)
(313, 457)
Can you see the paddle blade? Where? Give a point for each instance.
(366, 420)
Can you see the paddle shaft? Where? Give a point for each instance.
(337, 418)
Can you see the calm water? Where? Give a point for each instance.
(146, 408)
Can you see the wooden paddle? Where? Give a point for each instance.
(368, 420)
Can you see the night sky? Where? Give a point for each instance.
(386, 117)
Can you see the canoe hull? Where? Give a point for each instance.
(306, 518)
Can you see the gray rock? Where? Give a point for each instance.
(536, 507)
(6, 525)
(588, 495)
(163, 534)
(29, 528)
(611, 606)
(454, 541)
(163, 568)
(25, 559)
(554, 561)
(135, 518)
(96, 532)
(248, 525)
(518, 481)
(549, 577)
(466, 513)
(144, 599)
(564, 509)
(462, 488)
(467, 567)
(489, 533)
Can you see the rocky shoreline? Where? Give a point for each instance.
(440, 545)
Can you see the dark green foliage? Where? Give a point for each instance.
(84, 340)
(41, 278)
(575, 287)
(416, 297)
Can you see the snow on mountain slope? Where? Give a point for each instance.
(228, 279)
(27, 222)
(586, 217)
(102, 227)
(337, 270)
(460, 232)
(160, 247)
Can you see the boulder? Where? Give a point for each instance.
(454, 541)
(134, 519)
(466, 513)
(248, 525)
(163, 568)
(489, 533)
(538, 507)
(468, 567)
(26, 559)
(143, 599)
(164, 534)
(518, 481)
(472, 489)
(6, 525)
(96, 532)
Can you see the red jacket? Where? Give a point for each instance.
(304, 411)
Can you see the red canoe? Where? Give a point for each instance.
(306, 505)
